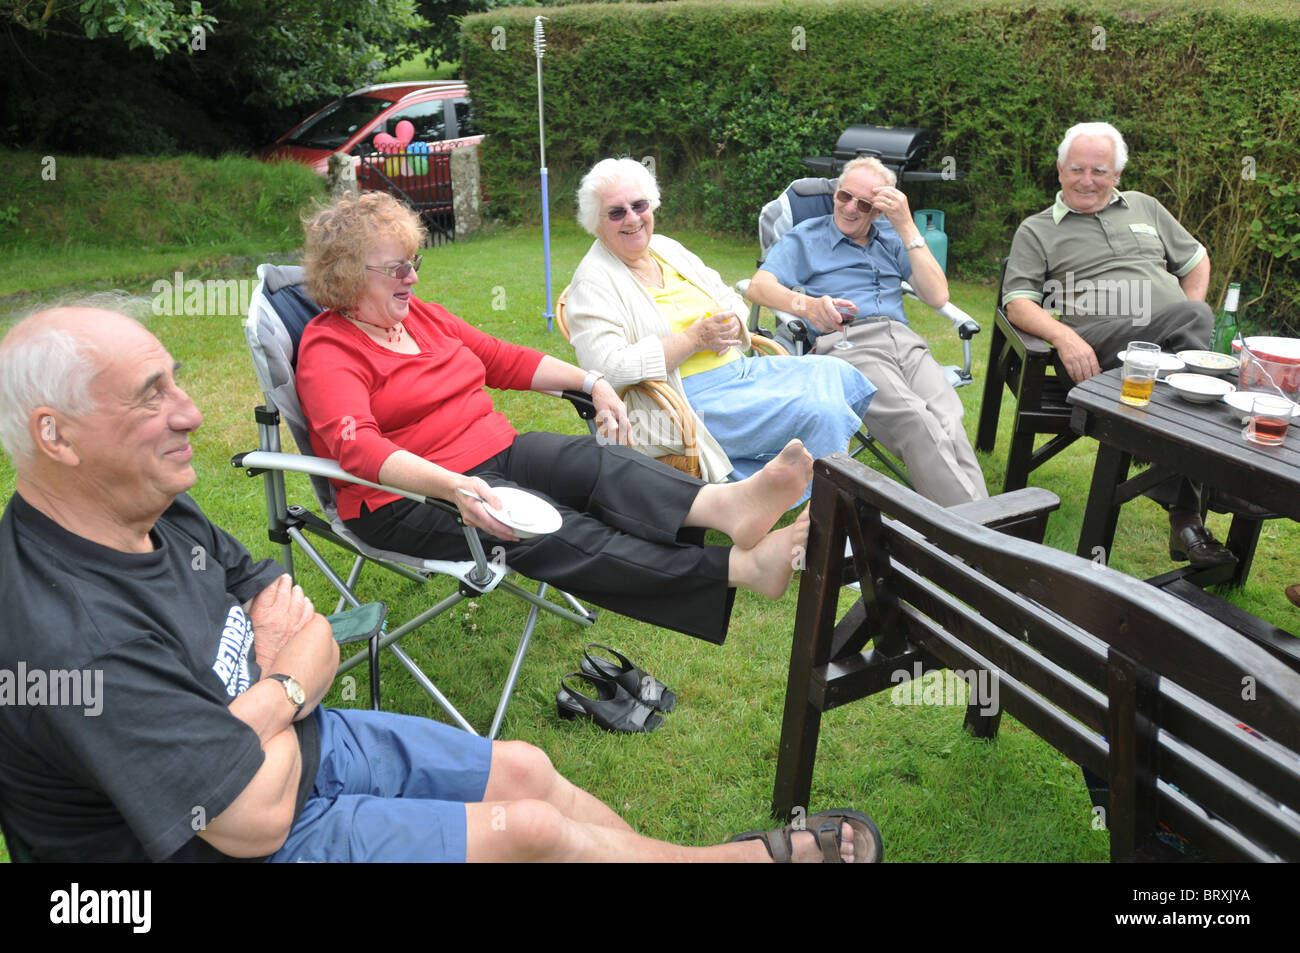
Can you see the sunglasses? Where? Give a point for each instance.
(844, 198)
(398, 271)
(620, 213)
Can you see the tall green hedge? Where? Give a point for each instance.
(729, 96)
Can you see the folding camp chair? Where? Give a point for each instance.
(278, 312)
(807, 198)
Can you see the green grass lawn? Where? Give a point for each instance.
(937, 793)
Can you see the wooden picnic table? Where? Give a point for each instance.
(1178, 438)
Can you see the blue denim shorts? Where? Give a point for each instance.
(390, 788)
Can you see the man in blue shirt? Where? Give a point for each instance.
(842, 274)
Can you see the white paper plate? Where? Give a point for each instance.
(1242, 399)
(1168, 362)
(526, 514)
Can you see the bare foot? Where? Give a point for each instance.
(806, 851)
(768, 567)
(764, 497)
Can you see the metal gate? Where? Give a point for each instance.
(420, 179)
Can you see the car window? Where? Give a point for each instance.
(339, 122)
(429, 119)
(465, 124)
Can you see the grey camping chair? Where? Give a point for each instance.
(278, 312)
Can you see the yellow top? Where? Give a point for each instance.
(682, 304)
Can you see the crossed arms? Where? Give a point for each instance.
(292, 638)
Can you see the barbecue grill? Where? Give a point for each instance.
(902, 149)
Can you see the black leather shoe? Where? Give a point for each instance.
(1190, 540)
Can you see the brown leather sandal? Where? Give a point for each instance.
(827, 826)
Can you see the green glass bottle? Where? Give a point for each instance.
(1225, 322)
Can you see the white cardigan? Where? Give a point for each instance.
(615, 327)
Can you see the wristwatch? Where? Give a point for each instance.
(292, 690)
(590, 381)
(917, 242)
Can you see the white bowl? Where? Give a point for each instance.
(1199, 388)
(1208, 362)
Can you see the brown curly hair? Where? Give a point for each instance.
(340, 237)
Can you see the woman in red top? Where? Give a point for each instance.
(393, 388)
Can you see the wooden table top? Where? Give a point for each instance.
(1201, 441)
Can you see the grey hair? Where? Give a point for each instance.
(604, 174)
(872, 163)
(1094, 129)
(49, 367)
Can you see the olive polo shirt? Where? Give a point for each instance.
(1121, 262)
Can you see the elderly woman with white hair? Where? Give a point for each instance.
(641, 307)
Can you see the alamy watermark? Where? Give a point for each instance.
(216, 297)
(83, 906)
(978, 687)
(1085, 297)
(58, 687)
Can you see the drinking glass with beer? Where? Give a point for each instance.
(1141, 364)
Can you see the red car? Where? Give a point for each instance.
(439, 110)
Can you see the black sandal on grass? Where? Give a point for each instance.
(614, 710)
(642, 685)
(868, 848)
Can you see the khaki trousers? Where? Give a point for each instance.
(915, 414)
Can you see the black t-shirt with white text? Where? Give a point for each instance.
(116, 673)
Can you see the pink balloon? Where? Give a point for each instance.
(405, 132)
(386, 143)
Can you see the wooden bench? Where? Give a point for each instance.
(1191, 724)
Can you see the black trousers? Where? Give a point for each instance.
(621, 545)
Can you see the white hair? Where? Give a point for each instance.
(603, 175)
(872, 163)
(1094, 130)
(49, 367)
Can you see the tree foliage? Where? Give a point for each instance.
(162, 26)
(154, 76)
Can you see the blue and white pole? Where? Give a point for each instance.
(539, 47)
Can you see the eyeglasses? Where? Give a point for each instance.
(398, 271)
(620, 213)
(844, 198)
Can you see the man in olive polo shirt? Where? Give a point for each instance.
(1117, 267)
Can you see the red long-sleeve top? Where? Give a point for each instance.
(364, 402)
